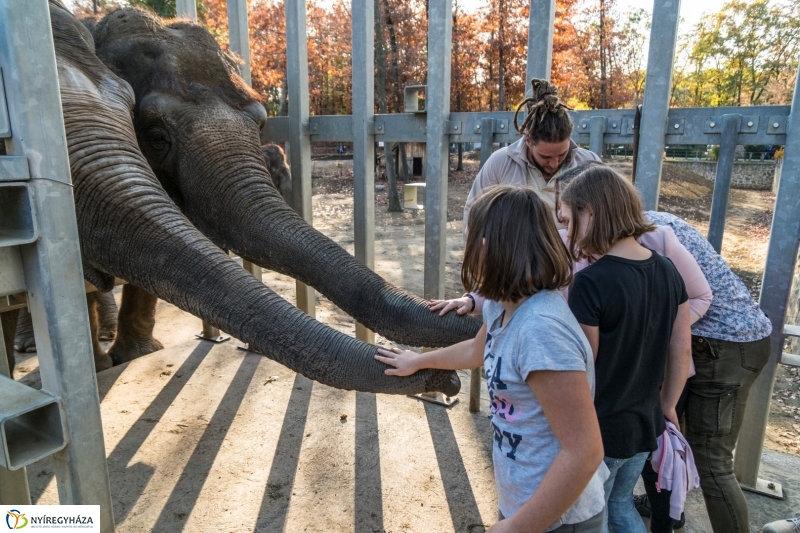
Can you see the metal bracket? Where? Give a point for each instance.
(5, 124)
(676, 126)
(501, 126)
(766, 488)
(628, 126)
(378, 127)
(613, 126)
(713, 125)
(14, 168)
(583, 125)
(313, 128)
(776, 125)
(749, 124)
(453, 127)
(435, 397)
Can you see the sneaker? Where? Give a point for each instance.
(789, 525)
(642, 505)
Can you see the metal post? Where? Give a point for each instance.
(722, 182)
(598, 128)
(540, 39)
(238, 35)
(440, 36)
(299, 140)
(52, 265)
(363, 21)
(186, 9)
(487, 139)
(775, 287)
(13, 484)
(657, 90)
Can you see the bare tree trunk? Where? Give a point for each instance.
(283, 105)
(398, 97)
(603, 52)
(460, 165)
(501, 72)
(388, 154)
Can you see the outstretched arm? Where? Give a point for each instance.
(465, 354)
(679, 357)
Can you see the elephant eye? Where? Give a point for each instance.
(158, 139)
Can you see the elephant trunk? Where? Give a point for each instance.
(131, 229)
(261, 228)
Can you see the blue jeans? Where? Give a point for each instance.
(620, 511)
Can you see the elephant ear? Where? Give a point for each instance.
(104, 282)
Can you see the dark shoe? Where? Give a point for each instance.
(789, 525)
(642, 505)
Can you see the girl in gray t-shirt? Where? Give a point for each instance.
(539, 370)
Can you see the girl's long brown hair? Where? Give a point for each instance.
(615, 207)
(523, 253)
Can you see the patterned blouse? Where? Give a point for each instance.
(733, 315)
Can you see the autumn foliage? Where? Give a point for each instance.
(746, 54)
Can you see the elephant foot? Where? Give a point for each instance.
(102, 362)
(107, 334)
(124, 350)
(24, 341)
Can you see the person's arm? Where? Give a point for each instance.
(697, 286)
(593, 336)
(567, 403)
(679, 357)
(465, 354)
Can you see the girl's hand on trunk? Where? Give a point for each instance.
(405, 362)
(462, 305)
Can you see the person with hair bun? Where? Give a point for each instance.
(544, 150)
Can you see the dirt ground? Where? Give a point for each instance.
(299, 462)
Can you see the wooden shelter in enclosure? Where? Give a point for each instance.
(55, 288)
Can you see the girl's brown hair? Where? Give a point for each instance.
(547, 118)
(615, 207)
(523, 253)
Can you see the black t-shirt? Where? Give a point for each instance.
(634, 304)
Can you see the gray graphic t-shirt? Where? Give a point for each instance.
(541, 335)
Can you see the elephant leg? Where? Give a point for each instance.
(24, 341)
(107, 316)
(8, 322)
(102, 360)
(135, 326)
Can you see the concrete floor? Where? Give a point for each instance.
(206, 437)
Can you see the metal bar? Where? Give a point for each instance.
(540, 39)
(598, 128)
(657, 88)
(299, 140)
(52, 265)
(475, 389)
(239, 35)
(775, 288)
(722, 182)
(363, 29)
(440, 36)
(14, 488)
(186, 9)
(410, 127)
(487, 139)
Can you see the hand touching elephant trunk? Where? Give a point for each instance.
(198, 125)
(130, 228)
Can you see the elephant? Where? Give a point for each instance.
(278, 169)
(130, 227)
(198, 124)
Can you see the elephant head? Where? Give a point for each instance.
(198, 125)
(130, 228)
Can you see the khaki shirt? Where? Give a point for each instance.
(510, 166)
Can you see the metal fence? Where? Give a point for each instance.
(437, 127)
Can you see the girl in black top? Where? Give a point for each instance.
(632, 306)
